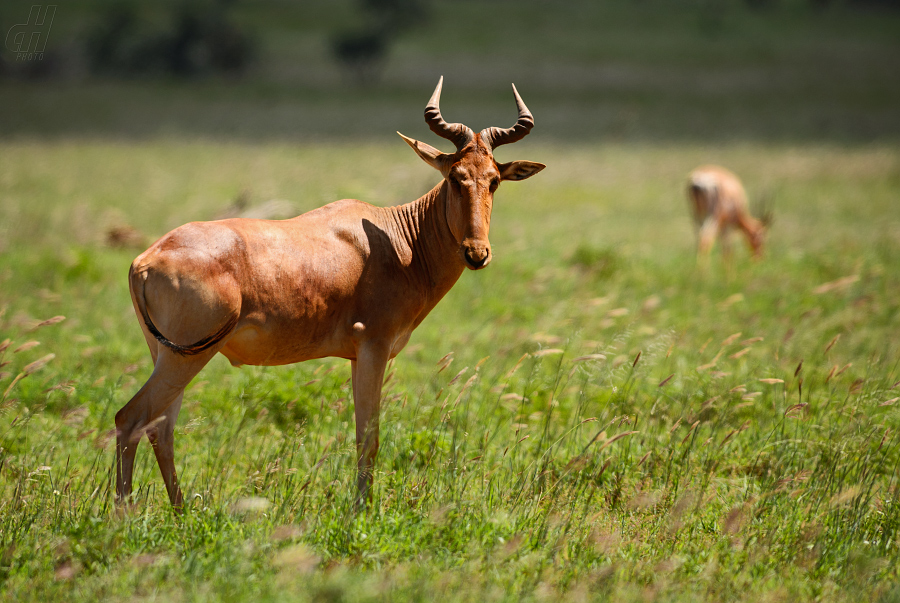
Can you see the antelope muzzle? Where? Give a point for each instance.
(476, 255)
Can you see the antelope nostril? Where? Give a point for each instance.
(478, 258)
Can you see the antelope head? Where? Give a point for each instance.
(472, 176)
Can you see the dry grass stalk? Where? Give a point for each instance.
(793, 411)
(735, 432)
(845, 496)
(26, 346)
(836, 285)
(731, 300)
(511, 396)
(50, 321)
(666, 380)
(140, 433)
(589, 357)
(29, 369)
(830, 345)
(445, 362)
(38, 364)
(547, 352)
(730, 339)
(616, 438)
(690, 431)
(542, 337)
(516, 367)
(67, 387)
(458, 375)
(735, 520)
(771, 381)
(644, 501)
(651, 303)
(711, 364)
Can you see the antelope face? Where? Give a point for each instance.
(472, 175)
(472, 182)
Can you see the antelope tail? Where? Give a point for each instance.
(204, 344)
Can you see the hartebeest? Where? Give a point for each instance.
(349, 280)
(719, 203)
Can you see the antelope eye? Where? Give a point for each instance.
(494, 184)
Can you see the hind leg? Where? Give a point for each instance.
(162, 439)
(725, 245)
(706, 236)
(154, 408)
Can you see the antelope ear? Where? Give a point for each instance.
(519, 170)
(428, 153)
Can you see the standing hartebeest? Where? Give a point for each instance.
(348, 280)
(719, 203)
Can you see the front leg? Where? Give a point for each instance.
(368, 377)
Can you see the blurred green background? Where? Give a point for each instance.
(619, 70)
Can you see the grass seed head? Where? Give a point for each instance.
(38, 364)
(50, 321)
(730, 339)
(26, 346)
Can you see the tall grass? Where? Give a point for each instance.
(593, 417)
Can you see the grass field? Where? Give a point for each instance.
(593, 417)
(492, 476)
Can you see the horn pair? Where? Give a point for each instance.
(461, 135)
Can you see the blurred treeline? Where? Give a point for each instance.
(191, 38)
(622, 69)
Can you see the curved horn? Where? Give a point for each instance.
(494, 137)
(458, 134)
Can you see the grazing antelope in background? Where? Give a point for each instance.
(719, 203)
(348, 280)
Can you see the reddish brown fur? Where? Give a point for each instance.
(348, 280)
(719, 203)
